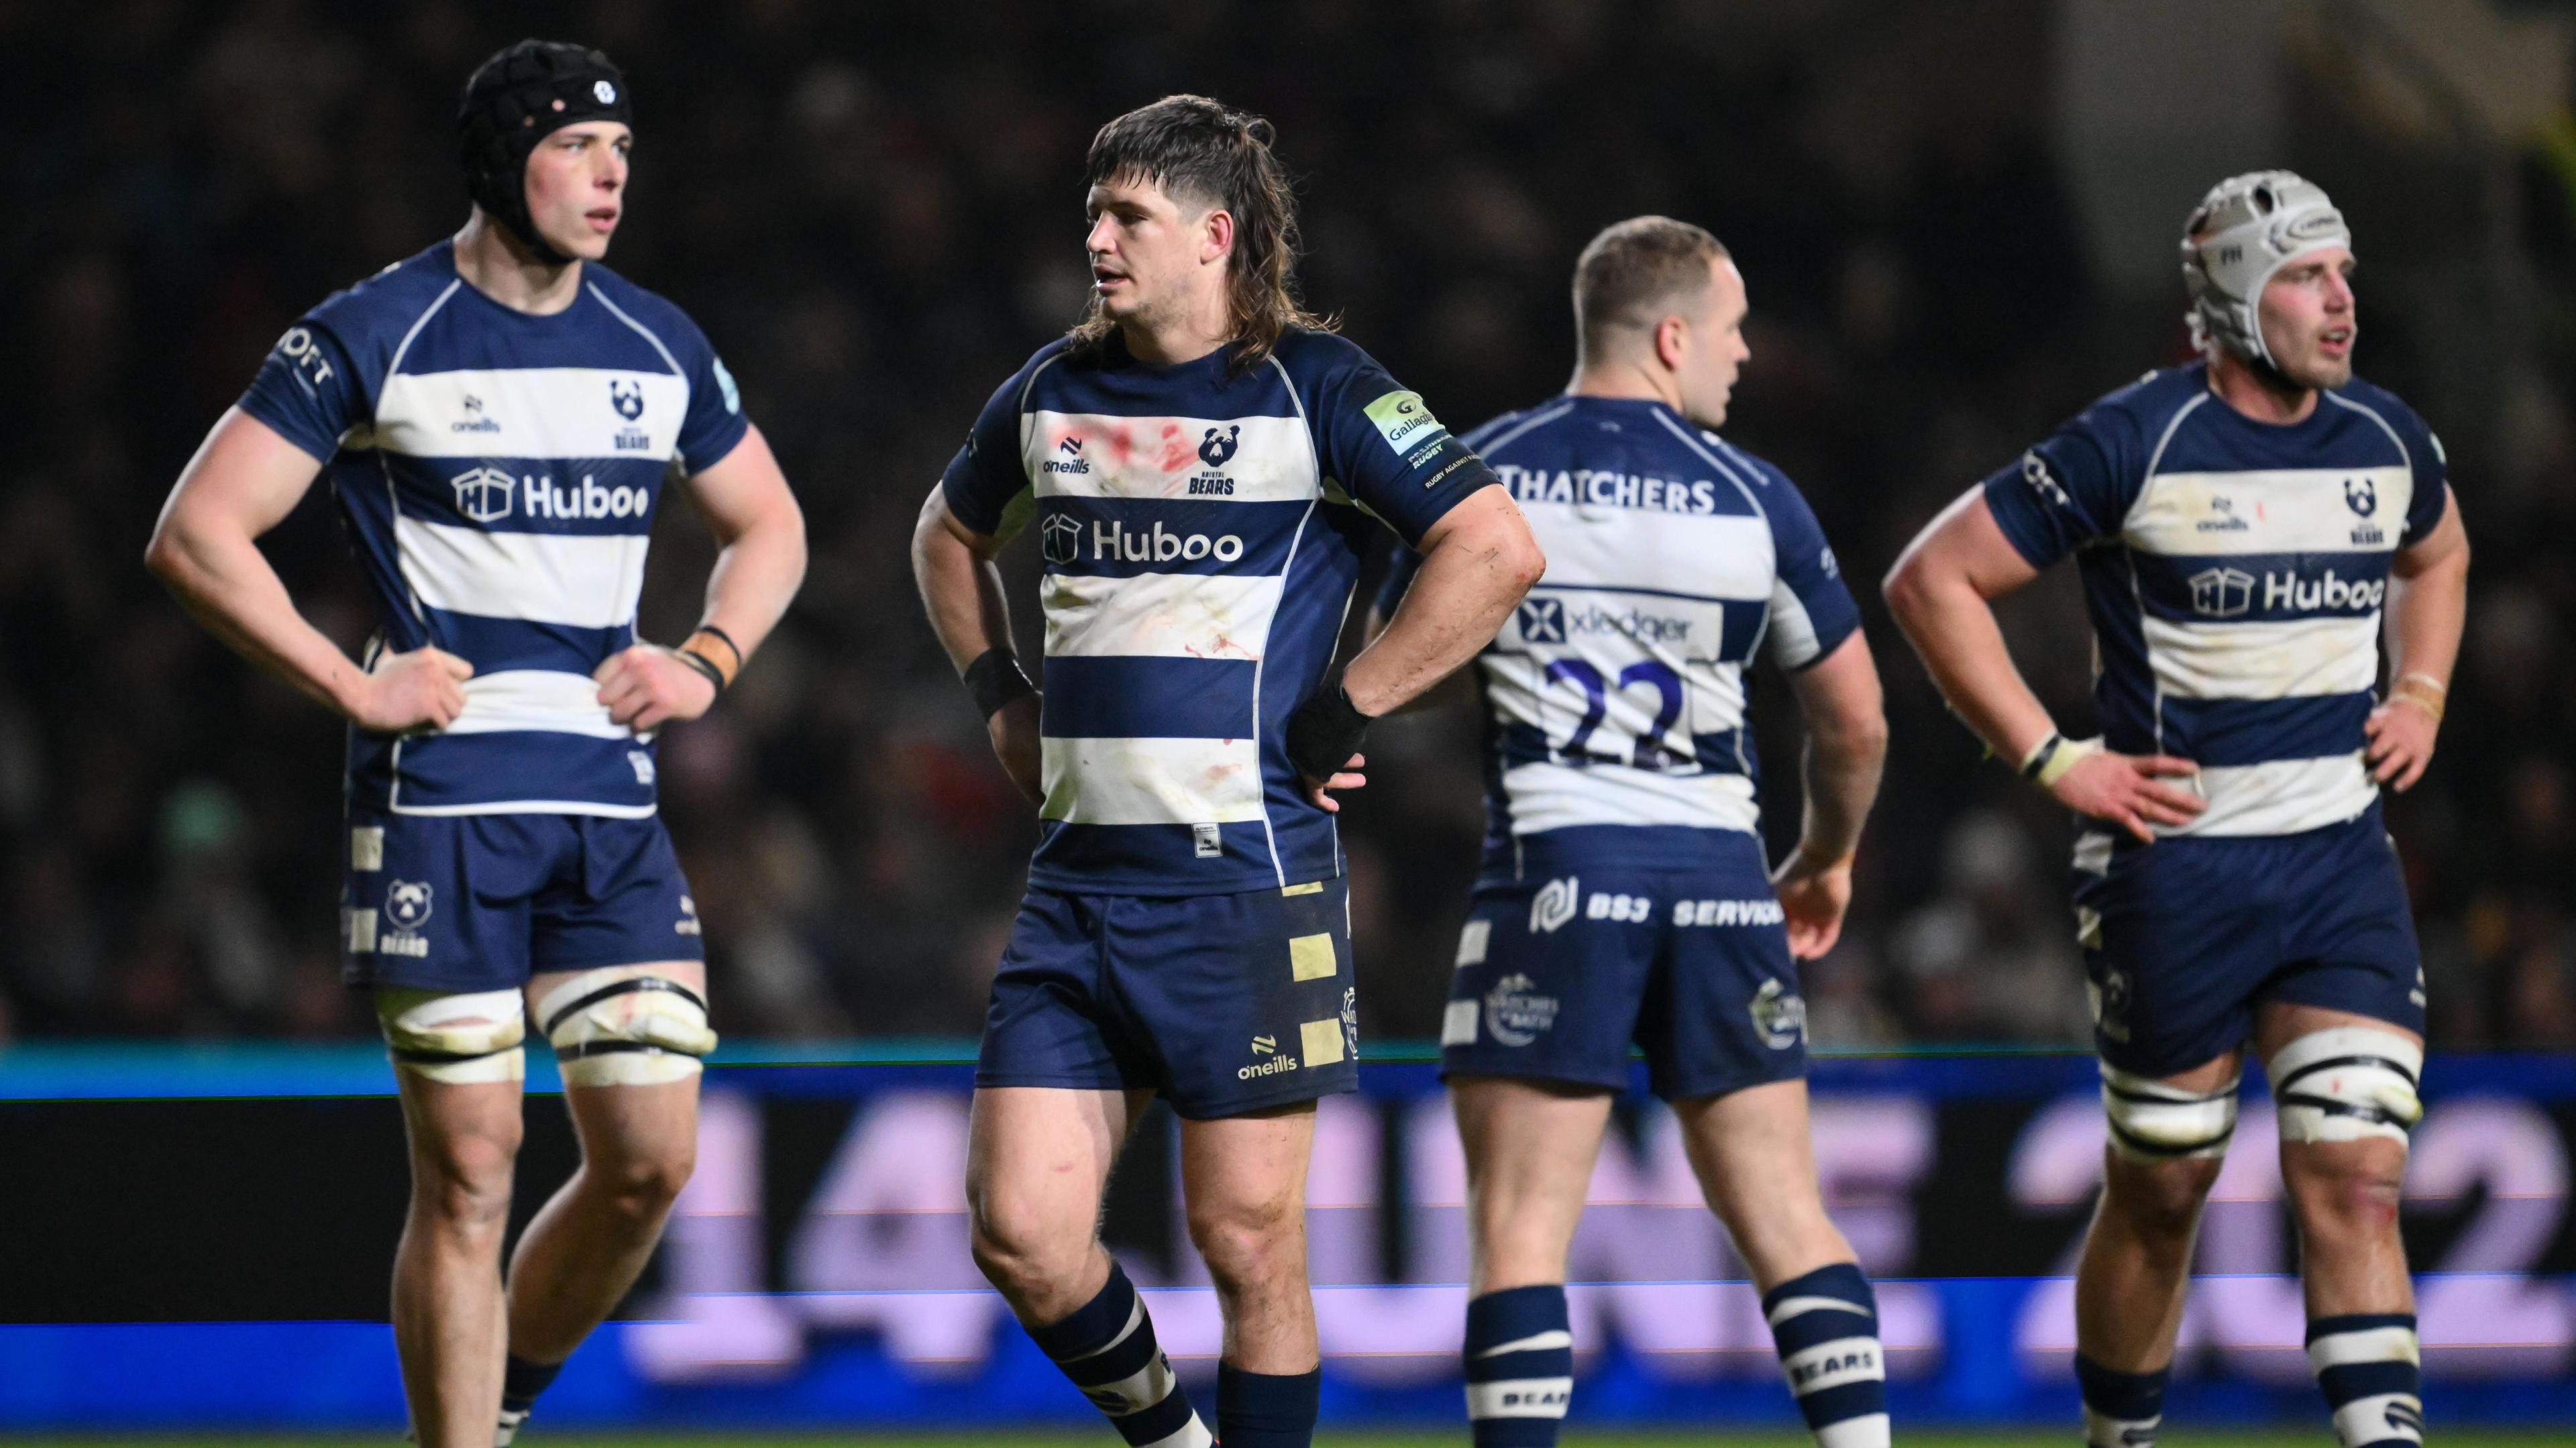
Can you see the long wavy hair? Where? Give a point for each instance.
(1198, 150)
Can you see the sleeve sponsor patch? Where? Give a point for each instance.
(1403, 420)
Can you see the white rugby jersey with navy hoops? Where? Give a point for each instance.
(498, 473)
(1202, 527)
(2234, 571)
(1617, 691)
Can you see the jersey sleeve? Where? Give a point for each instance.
(308, 390)
(2432, 469)
(1381, 443)
(987, 476)
(1811, 610)
(715, 424)
(2068, 491)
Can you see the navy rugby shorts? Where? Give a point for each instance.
(480, 902)
(1561, 970)
(2195, 932)
(1224, 1004)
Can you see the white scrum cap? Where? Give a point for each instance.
(2244, 230)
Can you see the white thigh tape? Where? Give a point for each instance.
(2347, 1083)
(458, 1039)
(2151, 1121)
(625, 1025)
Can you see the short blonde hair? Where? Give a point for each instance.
(1634, 271)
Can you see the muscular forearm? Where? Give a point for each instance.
(1840, 772)
(227, 584)
(756, 576)
(2425, 615)
(961, 590)
(1953, 629)
(1464, 591)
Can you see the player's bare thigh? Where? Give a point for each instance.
(1530, 1147)
(1037, 1161)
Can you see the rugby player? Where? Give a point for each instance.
(1623, 895)
(497, 414)
(2244, 525)
(1203, 463)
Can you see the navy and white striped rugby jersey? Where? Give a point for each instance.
(2234, 571)
(1202, 529)
(1616, 694)
(498, 473)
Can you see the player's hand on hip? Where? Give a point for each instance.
(2129, 791)
(1013, 729)
(422, 688)
(1813, 895)
(646, 685)
(1347, 777)
(2401, 741)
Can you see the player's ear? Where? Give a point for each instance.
(1672, 342)
(1216, 234)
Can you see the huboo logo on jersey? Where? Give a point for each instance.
(483, 494)
(1062, 538)
(2233, 592)
(628, 398)
(548, 499)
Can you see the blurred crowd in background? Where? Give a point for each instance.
(875, 213)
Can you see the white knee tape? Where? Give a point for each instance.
(625, 1025)
(2151, 1121)
(2347, 1083)
(458, 1039)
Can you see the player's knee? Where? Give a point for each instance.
(1021, 1249)
(2160, 1200)
(644, 1187)
(2345, 1190)
(1250, 1245)
(464, 1181)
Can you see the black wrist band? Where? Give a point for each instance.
(727, 640)
(995, 679)
(2043, 752)
(703, 665)
(1325, 732)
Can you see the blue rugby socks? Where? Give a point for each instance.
(2368, 1363)
(2121, 1410)
(521, 1381)
(1106, 1346)
(1520, 1366)
(1826, 1327)
(1266, 1410)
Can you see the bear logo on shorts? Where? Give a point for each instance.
(407, 904)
